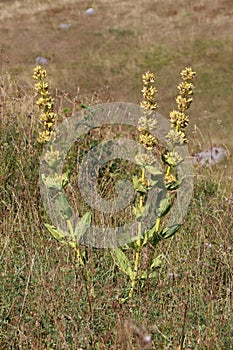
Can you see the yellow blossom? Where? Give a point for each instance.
(148, 78)
(187, 73)
(39, 73)
(172, 158)
(169, 179)
(42, 87)
(45, 136)
(179, 119)
(185, 88)
(183, 103)
(149, 141)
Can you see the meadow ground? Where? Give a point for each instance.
(45, 302)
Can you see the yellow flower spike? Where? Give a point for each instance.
(148, 107)
(46, 104)
(149, 92)
(149, 104)
(144, 159)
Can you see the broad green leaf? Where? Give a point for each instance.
(122, 262)
(82, 226)
(173, 185)
(58, 234)
(138, 186)
(164, 206)
(168, 232)
(63, 206)
(149, 235)
(157, 181)
(153, 170)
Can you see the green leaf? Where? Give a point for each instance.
(152, 236)
(138, 186)
(122, 262)
(141, 213)
(164, 206)
(157, 181)
(156, 262)
(168, 232)
(82, 226)
(65, 178)
(63, 206)
(153, 170)
(173, 185)
(58, 234)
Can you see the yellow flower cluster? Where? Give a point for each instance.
(148, 104)
(179, 121)
(147, 122)
(178, 118)
(148, 140)
(46, 104)
(172, 158)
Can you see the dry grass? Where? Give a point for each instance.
(45, 302)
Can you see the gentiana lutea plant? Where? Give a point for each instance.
(54, 181)
(167, 179)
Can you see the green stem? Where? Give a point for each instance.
(77, 250)
(157, 224)
(138, 244)
(168, 170)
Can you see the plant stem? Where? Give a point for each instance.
(157, 224)
(138, 243)
(77, 250)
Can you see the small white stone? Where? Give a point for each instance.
(147, 338)
(41, 60)
(64, 26)
(90, 11)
